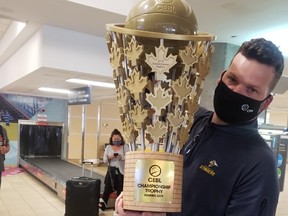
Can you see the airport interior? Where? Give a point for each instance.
(54, 53)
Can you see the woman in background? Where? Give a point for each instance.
(114, 155)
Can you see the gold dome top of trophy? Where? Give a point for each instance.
(166, 19)
(166, 16)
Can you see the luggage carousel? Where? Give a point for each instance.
(54, 172)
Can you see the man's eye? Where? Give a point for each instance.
(231, 80)
(252, 90)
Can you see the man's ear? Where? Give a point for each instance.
(267, 102)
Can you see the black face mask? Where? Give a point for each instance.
(232, 107)
(117, 143)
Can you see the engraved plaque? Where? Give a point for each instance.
(154, 181)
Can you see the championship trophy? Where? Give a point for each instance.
(159, 64)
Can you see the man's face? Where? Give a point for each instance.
(249, 77)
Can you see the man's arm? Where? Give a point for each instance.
(257, 192)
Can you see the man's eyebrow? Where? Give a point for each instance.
(231, 74)
(253, 86)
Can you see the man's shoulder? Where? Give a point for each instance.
(202, 113)
(201, 118)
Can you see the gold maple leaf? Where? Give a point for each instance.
(138, 115)
(193, 103)
(133, 51)
(108, 38)
(175, 120)
(116, 56)
(204, 51)
(183, 136)
(182, 88)
(161, 62)
(204, 65)
(157, 131)
(200, 48)
(160, 99)
(188, 57)
(136, 83)
(122, 97)
(128, 129)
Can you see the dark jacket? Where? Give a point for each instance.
(4, 137)
(228, 170)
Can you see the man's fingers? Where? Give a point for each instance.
(153, 214)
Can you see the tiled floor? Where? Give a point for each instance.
(22, 195)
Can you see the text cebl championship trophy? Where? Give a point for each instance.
(159, 63)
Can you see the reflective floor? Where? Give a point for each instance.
(22, 195)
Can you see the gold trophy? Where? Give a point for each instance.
(159, 62)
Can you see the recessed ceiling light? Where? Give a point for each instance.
(61, 91)
(92, 83)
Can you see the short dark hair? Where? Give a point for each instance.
(116, 132)
(265, 52)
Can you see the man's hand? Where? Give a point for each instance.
(119, 209)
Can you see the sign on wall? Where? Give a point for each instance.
(282, 160)
(80, 96)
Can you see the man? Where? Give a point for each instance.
(4, 149)
(228, 167)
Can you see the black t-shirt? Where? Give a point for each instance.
(230, 170)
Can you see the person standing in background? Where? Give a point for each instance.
(114, 155)
(4, 149)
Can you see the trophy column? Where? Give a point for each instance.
(158, 78)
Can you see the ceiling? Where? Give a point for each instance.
(232, 21)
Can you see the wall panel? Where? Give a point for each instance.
(97, 131)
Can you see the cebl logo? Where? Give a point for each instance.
(155, 170)
(245, 108)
